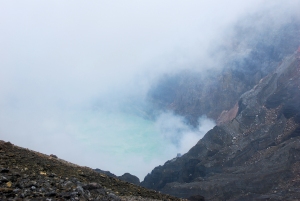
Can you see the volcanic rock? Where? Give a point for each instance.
(192, 93)
(254, 156)
(30, 175)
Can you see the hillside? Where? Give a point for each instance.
(254, 156)
(26, 174)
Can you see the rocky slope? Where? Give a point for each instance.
(255, 156)
(29, 175)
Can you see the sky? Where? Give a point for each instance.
(74, 75)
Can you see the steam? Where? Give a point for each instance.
(176, 131)
(74, 76)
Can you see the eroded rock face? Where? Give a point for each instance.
(254, 156)
(226, 116)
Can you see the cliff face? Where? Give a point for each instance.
(254, 156)
(248, 55)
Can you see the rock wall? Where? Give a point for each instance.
(193, 94)
(254, 156)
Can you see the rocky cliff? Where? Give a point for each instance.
(255, 156)
(248, 55)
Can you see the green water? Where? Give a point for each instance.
(122, 142)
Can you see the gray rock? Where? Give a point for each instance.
(3, 179)
(113, 197)
(80, 190)
(68, 184)
(92, 186)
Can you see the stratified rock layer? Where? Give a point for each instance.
(256, 156)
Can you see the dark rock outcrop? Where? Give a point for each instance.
(255, 156)
(125, 177)
(108, 173)
(130, 178)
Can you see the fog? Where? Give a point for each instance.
(74, 75)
